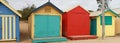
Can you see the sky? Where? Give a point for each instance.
(64, 5)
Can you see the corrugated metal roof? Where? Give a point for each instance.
(97, 13)
(117, 10)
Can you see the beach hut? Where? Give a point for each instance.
(45, 23)
(9, 22)
(117, 21)
(76, 24)
(96, 23)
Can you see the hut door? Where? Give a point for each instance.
(0, 27)
(53, 26)
(93, 27)
(40, 26)
(47, 26)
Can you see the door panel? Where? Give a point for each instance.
(93, 27)
(53, 26)
(40, 26)
(47, 26)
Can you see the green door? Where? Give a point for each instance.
(47, 26)
(54, 26)
(93, 27)
(40, 26)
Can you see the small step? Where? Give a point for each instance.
(7, 40)
(49, 39)
(82, 37)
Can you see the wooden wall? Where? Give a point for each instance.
(117, 26)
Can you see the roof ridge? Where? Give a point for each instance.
(49, 4)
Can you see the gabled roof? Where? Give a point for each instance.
(117, 10)
(48, 3)
(113, 12)
(76, 8)
(98, 13)
(7, 5)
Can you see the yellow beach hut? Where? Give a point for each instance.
(96, 23)
(45, 24)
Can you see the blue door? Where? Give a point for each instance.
(53, 26)
(40, 26)
(93, 30)
(0, 27)
(47, 26)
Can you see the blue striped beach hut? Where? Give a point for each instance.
(9, 22)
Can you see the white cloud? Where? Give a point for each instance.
(17, 4)
(66, 5)
(115, 4)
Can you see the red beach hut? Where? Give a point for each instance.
(76, 24)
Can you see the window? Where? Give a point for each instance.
(108, 20)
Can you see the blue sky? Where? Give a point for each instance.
(64, 5)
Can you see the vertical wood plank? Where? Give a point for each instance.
(10, 24)
(32, 30)
(6, 21)
(3, 28)
(17, 29)
(61, 25)
(14, 27)
(29, 26)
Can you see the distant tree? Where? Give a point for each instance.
(26, 11)
(99, 2)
